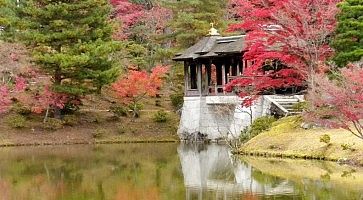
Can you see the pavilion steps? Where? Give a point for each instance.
(286, 104)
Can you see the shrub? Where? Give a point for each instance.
(119, 111)
(70, 120)
(348, 147)
(325, 138)
(53, 124)
(21, 109)
(258, 126)
(99, 133)
(177, 100)
(136, 109)
(301, 106)
(261, 124)
(161, 116)
(158, 102)
(98, 118)
(121, 130)
(16, 121)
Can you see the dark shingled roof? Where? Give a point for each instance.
(213, 46)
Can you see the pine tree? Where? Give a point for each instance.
(72, 41)
(348, 42)
(7, 15)
(3, 20)
(192, 19)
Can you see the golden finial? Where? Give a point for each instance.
(213, 31)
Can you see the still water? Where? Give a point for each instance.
(167, 171)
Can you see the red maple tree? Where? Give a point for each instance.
(338, 103)
(136, 85)
(28, 89)
(130, 14)
(293, 32)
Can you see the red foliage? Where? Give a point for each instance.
(338, 103)
(138, 84)
(294, 32)
(47, 99)
(130, 14)
(30, 92)
(5, 100)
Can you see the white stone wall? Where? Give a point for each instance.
(217, 117)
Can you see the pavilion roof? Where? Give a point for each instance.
(213, 46)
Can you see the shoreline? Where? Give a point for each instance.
(4, 145)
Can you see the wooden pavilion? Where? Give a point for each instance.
(211, 63)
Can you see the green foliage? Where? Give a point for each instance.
(192, 19)
(161, 116)
(21, 109)
(136, 54)
(16, 121)
(301, 106)
(348, 147)
(70, 120)
(325, 138)
(261, 124)
(75, 48)
(177, 100)
(99, 133)
(7, 17)
(119, 111)
(258, 126)
(53, 124)
(349, 33)
(136, 107)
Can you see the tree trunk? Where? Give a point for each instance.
(57, 82)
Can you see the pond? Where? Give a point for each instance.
(167, 171)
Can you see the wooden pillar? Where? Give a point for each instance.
(223, 76)
(186, 78)
(199, 78)
(238, 71)
(208, 74)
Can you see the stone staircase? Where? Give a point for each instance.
(285, 103)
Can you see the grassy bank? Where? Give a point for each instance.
(287, 139)
(93, 125)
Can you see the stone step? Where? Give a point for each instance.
(286, 100)
(294, 113)
(287, 103)
(289, 106)
(283, 97)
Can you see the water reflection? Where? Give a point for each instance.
(167, 171)
(210, 171)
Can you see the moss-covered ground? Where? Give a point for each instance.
(287, 139)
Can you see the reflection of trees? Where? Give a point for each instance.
(84, 172)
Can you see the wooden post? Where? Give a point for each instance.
(199, 78)
(223, 76)
(237, 69)
(207, 78)
(186, 78)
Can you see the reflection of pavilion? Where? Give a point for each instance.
(209, 173)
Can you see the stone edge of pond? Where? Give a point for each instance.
(295, 156)
(86, 142)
